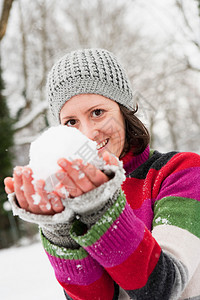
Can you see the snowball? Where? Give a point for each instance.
(59, 142)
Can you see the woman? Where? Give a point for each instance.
(144, 241)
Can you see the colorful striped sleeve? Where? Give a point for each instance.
(79, 274)
(121, 243)
(176, 224)
(151, 265)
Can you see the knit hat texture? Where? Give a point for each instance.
(87, 71)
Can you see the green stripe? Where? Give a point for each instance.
(62, 252)
(178, 211)
(97, 230)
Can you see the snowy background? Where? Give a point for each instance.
(158, 42)
(26, 274)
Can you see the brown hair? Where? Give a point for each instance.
(137, 136)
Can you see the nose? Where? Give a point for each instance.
(89, 130)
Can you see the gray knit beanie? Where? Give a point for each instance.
(87, 71)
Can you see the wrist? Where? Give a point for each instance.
(91, 218)
(97, 198)
(66, 215)
(59, 235)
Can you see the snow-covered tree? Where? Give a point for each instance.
(154, 44)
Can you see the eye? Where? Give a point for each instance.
(71, 122)
(97, 112)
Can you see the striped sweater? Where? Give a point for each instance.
(146, 246)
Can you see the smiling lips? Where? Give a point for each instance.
(102, 144)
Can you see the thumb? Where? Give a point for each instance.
(110, 159)
(9, 185)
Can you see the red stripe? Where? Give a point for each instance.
(178, 162)
(136, 197)
(153, 182)
(133, 197)
(101, 289)
(134, 272)
(181, 161)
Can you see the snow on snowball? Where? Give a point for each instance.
(59, 142)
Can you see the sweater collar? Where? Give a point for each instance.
(131, 162)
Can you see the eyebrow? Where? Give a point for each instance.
(91, 108)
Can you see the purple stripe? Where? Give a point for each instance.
(137, 161)
(145, 213)
(119, 241)
(79, 272)
(184, 183)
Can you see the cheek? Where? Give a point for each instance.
(106, 128)
(113, 126)
(117, 134)
(120, 136)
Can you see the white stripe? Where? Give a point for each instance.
(123, 295)
(182, 244)
(185, 247)
(193, 287)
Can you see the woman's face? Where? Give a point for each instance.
(97, 117)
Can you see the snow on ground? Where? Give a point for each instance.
(26, 274)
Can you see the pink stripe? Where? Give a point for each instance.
(184, 183)
(145, 213)
(119, 241)
(137, 161)
(79, 272)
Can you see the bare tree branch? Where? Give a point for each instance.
(180, 6)
(39, 109)
(4, 17)
(190, 66)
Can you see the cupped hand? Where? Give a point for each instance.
(33, 198)
(77, 178)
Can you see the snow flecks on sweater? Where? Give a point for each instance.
(121, 243)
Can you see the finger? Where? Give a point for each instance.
(18, 188)
(43, 201)
(74, 171)
(9, 185)
(29, 190)
(66, 183)
(56, 202)
(62, 191)
(7, 190)
(109, 158)
(96, 176)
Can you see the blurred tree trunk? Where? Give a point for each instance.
(28, 114)
(7, 4)
(24, 60)
(193, 38)
(198, 1)
(44, 41)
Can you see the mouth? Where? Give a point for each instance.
(102, 144)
